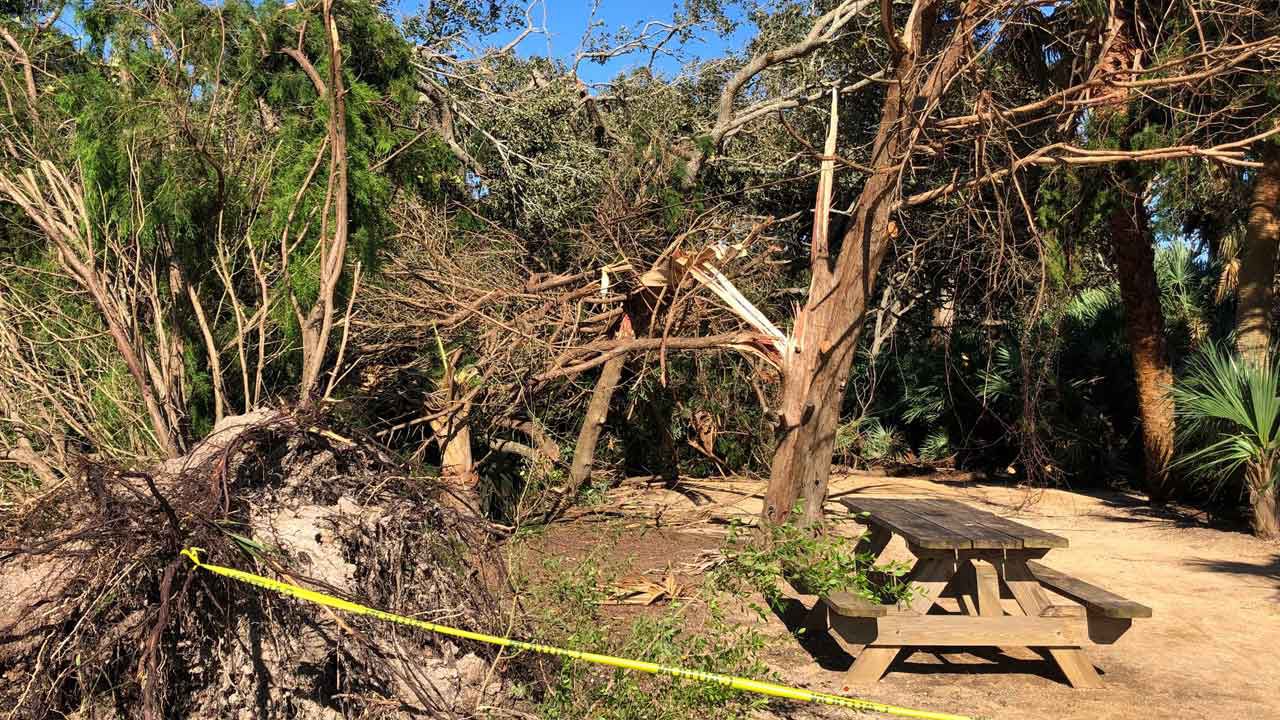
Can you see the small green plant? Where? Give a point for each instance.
(936, 446)
(812, 561)
(1229, 427)
(871, 441)
(694, 634)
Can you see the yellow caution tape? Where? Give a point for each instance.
(737, 683)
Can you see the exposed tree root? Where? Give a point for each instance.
(109, 621)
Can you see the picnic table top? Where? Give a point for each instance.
(949, 525)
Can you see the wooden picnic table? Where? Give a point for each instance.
(975, 557)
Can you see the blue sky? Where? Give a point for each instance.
(567, 19)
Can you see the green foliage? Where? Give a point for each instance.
(1228, 414)
(811, 560)
(195, 165)
(936, 446)
(696, 633)
(869, 440)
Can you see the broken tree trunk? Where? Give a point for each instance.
(816, 364)
(1258, 261)
(457, 466)
(584, 451)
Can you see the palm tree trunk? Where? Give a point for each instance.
(1266, 511)
(1144, 326)
(1258, 261)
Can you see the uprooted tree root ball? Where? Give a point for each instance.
(110, 621)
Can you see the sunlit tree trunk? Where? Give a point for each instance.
(1263, 500)
(1144, 326)
(457, 466)
(827, 328)
(1258, 260)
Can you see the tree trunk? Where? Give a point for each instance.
(1258, 261)
(584, 452)
(453, 433)
(318, 323)
(1144, 327)
(457, 467)
(1266, 511)
(1266, 514)
(816, 365)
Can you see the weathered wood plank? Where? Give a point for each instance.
(987, 583)
(928, 578)
(964, 520)
(1076, 667)
(1032, 538)
(1096, 599)
(940, 524)
(893, 515)
(850, 605)
(1025, 588)
(963, 631)
(869, 666)
(1073, 611)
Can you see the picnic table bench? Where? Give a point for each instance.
(977, 558)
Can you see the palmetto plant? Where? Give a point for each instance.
(936, 446)
(1186, 291)
(1229, 427)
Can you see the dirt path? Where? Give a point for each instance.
(1212, 648)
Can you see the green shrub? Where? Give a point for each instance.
(1228, 412)
(870, 441)
(813, 562)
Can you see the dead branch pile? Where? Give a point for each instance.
(478, 330)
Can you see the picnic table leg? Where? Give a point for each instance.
(987, 582)
(870, 665)
(875, 540)
(1032, 599)
(817, 621)
(987, 594)
(964, 588)
(929, 576)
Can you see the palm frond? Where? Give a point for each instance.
(1228, 413)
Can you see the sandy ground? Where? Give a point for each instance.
(1212, 649)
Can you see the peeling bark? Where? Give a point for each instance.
(457, 466)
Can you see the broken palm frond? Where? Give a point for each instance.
(1229, 259)
(643, 591)
(703, 562)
